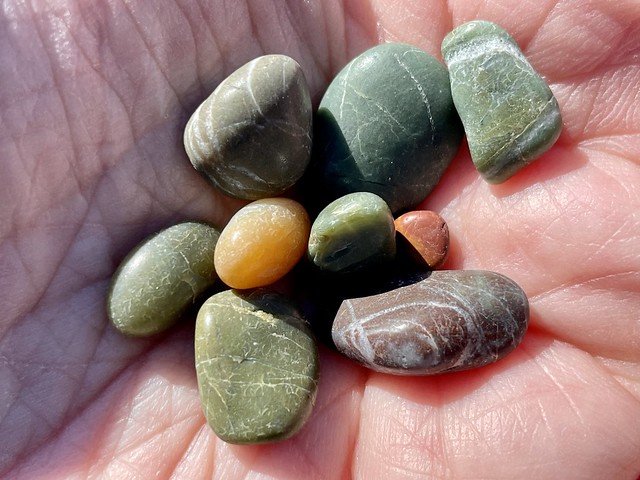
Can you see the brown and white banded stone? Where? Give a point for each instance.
(449, 321)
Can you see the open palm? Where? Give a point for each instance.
(93, 100)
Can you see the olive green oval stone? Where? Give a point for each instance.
(387, 125)
(252, 137)
(510, 115)
(353, 233)
(257, 366)
(161, 278)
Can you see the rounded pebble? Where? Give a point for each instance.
(427, 237)
(262, 242)
(252, 137)
(387, 125)
(353, 233)
(509, 113)
(449, 321)
(257, 366)
(161, 278)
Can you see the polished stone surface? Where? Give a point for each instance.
(387, 125)
(510, 115)
(252, 137)
(424, 235)
(353, 233)
(262, 242)
(161, 278)
(257, 366)
(449, 321)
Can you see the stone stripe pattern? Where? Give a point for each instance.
(161, 278)
(449, 321)
(252, 137)
(387, 125)
(257, 366)
(509, 113)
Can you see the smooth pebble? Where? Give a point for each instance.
(257, 366)
(252, 137)
(262, 242)
(161, 278)
(387, 125)
(449, 321)
(425, 235)
(510, 115)
(353, 233)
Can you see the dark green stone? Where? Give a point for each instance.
(257, 366)
(387, 125)
(161, 278)
(353, 233)
(510, 115)
(252, 137)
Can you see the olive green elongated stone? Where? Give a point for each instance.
(353, 233)
(510, 115)
(252, 137)
(161, 278)
(257, 366)
(387, 125)
(448, 321)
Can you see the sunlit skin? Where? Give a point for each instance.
(94, 97)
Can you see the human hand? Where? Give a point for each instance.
(94, 99)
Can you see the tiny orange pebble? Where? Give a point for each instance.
(427, 236)
(262, 242)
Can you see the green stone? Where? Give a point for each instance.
(161, 278)
(252, 137)
(257, 366)
(353, 233)
(387, 125)
(510, 115)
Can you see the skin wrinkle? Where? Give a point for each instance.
(61, 96)
(524, 45)
(330, 67)
(142, 36)
(194, 47)
(79, 411)
(97, 62)
(550, 460)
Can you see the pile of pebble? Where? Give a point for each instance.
(385, 131)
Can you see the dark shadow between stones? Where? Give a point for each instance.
(275, 303)
(321, 295)
(330, 153)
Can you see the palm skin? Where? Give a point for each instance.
(93, 102)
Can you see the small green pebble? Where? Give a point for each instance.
(510, 115)
(257, 366)
(387, 125)
(353, 233)
(161, 278)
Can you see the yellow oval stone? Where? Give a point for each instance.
(262, 242)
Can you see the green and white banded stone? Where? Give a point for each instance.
(509, 114)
